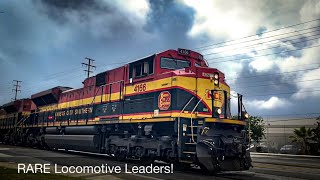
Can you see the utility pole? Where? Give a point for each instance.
(268, 133)
(89, 66)
(16, 88)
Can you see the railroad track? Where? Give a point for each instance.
(63, 158)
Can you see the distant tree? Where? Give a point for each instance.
(257, 128)
(302, 137)
(234, 117)
(316, 135)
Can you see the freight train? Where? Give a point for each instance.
(169, 106)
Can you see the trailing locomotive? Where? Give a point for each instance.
(169, 106)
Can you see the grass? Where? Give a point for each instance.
(9, 174)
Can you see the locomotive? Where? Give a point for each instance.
(169, 106)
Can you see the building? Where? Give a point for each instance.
(278, 131)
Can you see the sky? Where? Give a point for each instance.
(268, 50)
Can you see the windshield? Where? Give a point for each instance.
(170, 63)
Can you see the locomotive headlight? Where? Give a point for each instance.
(246, 115)
(219, 111)
(216, 78)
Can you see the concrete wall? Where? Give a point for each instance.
(278, 131)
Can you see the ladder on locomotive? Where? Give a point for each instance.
(190, 142)
(188, 149)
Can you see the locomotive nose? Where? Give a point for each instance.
(233, 146)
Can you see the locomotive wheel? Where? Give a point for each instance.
(146, 160)
(120, 156)
(206, 171)
(181, 166)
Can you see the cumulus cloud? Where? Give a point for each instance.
(219, 21)
(136, 10)
(272, 103)
(261, 64)
(309, 56)
(307, 87)
(41, 38)
(237, 19)
(271, 59)
(225, 20)
(310, 10)
(45, 37)
(102, 18)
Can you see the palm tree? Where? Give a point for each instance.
(302, 136)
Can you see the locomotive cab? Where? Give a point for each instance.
(219, 140)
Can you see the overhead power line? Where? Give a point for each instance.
(258, 39)
(119, 63)
(268, 42)
(280, 93)
(286, 27)
(273, 73)
(62, 73)
(309, 47)
(306, 64)
(292, 119)
(67, 72)
(293, 43)
(275, 84)
(294, 114)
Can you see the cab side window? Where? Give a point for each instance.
(141, 68)
(174, 64)
(137, 70)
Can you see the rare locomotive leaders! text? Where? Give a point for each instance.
(103, 168)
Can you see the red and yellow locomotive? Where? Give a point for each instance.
(169, 106)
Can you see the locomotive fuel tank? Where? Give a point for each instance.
(73, 142)
(81, 130)
(81, 138)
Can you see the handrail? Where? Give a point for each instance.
(102, 86)
(179, 118)
(95, 94)
(93, 100)
(191, 122)
(21, 121)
